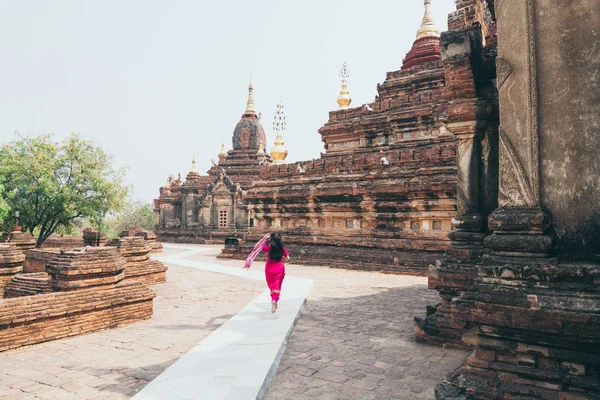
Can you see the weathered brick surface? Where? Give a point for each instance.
(11, 263)
(92, 237)
(88, 296)
(84, 268)
(136, 251)
(63, 242)
(28, 284)
(22, 241)
(29, 320)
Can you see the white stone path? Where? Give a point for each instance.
(239, 359)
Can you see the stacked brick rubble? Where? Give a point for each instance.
(93, 238)
(139, 267)
(28, 284)
(11, 263)
(21, 241)
(88, 296)
(63, 242)
(149, 237)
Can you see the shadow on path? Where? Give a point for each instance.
(363, 347)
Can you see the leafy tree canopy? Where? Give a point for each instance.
(4, 209)
(53, 184)
(134, 214)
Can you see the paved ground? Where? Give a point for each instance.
(355, 339)
(116, 363)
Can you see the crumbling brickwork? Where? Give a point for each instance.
(87, 295)
(139, 267)
(11, 263)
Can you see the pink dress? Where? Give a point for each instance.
(274, 272)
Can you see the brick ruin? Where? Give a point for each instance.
(136, 251)
(521, 286)
(11, 264)
(55, 292)
(87, 294)
(148, 236)
(381, 196)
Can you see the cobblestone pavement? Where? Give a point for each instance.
(116, 363)
(354, 340)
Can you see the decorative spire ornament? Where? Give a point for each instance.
(222, 154)
(344, 98)
(428, 27)
(193, 164)
(278, 152)
(250, 105)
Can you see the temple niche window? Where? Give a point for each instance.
(437, 225)
(349, 224)
(415, 225)
(223, 219)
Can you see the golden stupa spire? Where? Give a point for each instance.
(344, 98)
(223, 152)
(427, 28)
(250, 105)
(278, 152)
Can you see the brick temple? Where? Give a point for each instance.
(383, 193)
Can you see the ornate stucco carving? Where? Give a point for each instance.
(503, 71)
(519, 177)
(515, 187)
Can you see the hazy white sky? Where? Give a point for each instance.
(154, 81)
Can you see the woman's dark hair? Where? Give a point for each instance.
(276, 250)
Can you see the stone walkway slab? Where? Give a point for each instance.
(238, 360)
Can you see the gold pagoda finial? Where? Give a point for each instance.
(427, 28)
(344, 98)
(278, 152)
(223, 152)
(250, 105)
(194, 163)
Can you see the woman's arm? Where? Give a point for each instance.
(286, 255)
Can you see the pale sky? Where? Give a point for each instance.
(152, 81)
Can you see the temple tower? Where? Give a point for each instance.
(427, 45)
(249, 133)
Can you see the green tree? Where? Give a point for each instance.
(134, 214)
(4, 208)
(53, 184)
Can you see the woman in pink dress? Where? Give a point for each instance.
(274, 268)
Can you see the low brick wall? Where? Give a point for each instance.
(63, 242)
(36, 319)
